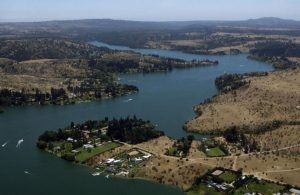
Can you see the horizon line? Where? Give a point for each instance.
(133, 20)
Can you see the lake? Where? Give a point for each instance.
(164, 98)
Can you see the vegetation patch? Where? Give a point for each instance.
(262, 187)
(212, 148)
(181, 147)
(214, 152)
(203, 189)
(228, 176)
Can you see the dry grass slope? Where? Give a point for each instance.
(274, 97)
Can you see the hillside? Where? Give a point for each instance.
(252, 107)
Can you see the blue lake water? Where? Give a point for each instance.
(164, 98)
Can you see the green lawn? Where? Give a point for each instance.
(84, 154)
(209, 143)
(172, 151)
(263, 187)
(203, 189)
(216, 151)
(228, 176)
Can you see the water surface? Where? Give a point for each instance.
(164, 98)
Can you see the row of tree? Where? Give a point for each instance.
(11, 97)
(132, 130)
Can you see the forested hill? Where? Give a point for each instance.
(72, 28)
(31, 49)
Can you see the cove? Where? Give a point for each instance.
(164, 98)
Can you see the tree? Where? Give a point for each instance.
(41, 144)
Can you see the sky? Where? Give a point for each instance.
(147, 10)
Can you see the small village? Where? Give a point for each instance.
(123, 164)
(224, 181)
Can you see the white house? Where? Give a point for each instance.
(87, 146)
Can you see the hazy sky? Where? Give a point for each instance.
(153, 10)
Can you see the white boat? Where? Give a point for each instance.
(107, 176)
(96, 174)
(26, 172)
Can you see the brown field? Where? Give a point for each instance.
(50, 68)
(42, 74)
(174, 171)
(285, 136)
(286, 176)
(19, 82)
(281, 166)
(195, 152)
(157, 146)
(274, 97)
(279, 160)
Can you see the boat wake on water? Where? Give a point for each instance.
(19, 143)
(129, 100)
(3, 145)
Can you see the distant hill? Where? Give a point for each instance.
(121, 25)
(270, 22)
(137, 33)
(266, 22)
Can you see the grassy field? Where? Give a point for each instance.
(262, 187)
(216, 151)
(209, 142)
(203, 189)
(228, 177)
(85, 154)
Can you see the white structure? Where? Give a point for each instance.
(147, 156)
(137, 159)
(110, 160)
(116, 161)
(70, 139)
(87, 146)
